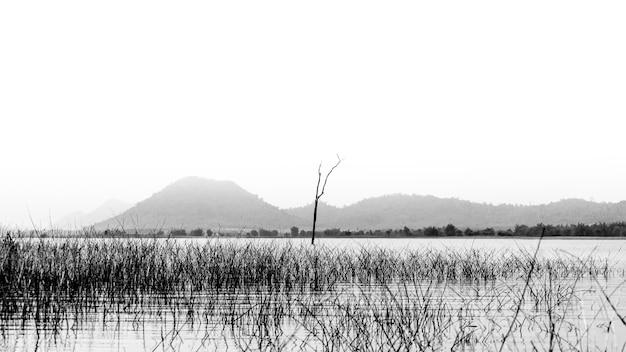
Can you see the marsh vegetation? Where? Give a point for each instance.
(271, 296)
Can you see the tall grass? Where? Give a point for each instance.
(72, 266)
(277, 296)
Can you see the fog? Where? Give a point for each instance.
(486, 101)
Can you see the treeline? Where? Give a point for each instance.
(615, 229)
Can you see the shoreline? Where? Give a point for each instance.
(133, 236)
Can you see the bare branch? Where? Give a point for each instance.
(318, 195)
(329, 172)
(319, 179)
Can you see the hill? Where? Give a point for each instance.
(395, 211)
(195, 202)
(78, 219)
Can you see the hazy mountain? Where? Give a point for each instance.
(106, 210)
(326, 214)
(395, 211)
(195, 202)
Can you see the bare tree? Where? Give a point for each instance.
(319, 194)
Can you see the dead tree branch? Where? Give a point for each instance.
(319, 194)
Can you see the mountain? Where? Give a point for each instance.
(79, 219)
(414, 211)
(195, 202)
(326, 214)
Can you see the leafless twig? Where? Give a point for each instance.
(319, 194)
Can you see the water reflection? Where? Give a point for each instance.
(568, 313)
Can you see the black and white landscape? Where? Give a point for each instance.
(312, 176)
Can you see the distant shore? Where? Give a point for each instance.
(317, 237)
(576, 231)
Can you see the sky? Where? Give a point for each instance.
(489, 101)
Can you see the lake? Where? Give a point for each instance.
(563, 308)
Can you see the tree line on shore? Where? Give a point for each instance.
(614, 229)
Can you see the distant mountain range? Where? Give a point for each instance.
(394, 211)
(105, 211)
(194, 202)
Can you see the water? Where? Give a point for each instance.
(612, 249)
(565, 313)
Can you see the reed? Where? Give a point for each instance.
(284, 296)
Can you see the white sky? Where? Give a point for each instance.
(491, 101)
